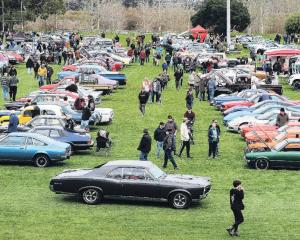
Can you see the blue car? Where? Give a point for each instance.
(78, 141)
(32, 147)
(241, 96)
(64, 74)
(259, 111)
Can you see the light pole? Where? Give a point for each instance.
(228, 24)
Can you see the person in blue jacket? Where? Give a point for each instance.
(13, 123)
(213, 139)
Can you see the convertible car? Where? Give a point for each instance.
(131, 180)
(78, 141)
(284, 154)
(33, 147)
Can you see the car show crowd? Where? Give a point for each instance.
(64, 110)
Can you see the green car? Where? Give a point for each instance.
(285, 154)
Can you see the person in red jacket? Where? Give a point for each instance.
(142, 56)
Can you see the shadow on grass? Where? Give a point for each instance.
(126, 202)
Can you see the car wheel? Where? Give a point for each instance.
(262, 164)
(242, 124)
(91, 196)
(296, 85)
(41, 160)
(180, 200)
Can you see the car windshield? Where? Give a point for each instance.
(280, 145)
(156, 172)
(68, 109)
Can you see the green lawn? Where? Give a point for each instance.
(29, 210)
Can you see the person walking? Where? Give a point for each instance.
(49, 73)
(213, 139)
(13, 122)
(156, 90)
(168, 58)
(42, 74)
(159, 136)
(168, 148)
(282, 118)
(192, 78)
(165, 67)
(171, 124)
(13, 87)
(29, 64)
(145, 145)
(185, 138)
(143, 99)
(236, 196)
(148, 52)
(189, 99)
(5, 86)
(36, 67)
(178, 76)
(202, 88)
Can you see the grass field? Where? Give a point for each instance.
(28, 210)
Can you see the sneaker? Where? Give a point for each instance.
(237, 234)
(230, 231)
(176, 168)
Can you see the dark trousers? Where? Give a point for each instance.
(142, 108)
(147, 58)
(177, 83)
(48, 79)
(238, 219)
(212, 150)
(202, 96)
(13, 92)
(169, 156)
(156, 95)
(142, 61)
(188, 147)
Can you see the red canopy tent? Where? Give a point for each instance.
(285, 52)
(199, 32)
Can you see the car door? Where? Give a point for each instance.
(137, 182)
(291, 156)
(111, 184)
(13, 148)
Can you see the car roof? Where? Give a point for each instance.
(24, 134)
(133, 163)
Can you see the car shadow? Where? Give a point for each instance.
(124, 202)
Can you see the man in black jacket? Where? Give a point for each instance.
(159, 136)
(168, 146)
(236, 204)
(145, 146)
(143, 99)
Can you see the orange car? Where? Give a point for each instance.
(263, 135)
(293, 132)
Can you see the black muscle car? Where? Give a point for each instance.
(131, 179)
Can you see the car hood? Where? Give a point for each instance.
(70, 173)
(187, 180)
(235, 103)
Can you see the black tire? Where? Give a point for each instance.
(262, 164)
(91, 196)
(41, 160)
(242, 124)
(296, 84)
(180, 200)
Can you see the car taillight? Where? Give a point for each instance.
(90, 142)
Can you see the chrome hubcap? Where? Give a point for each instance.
(180, 200)
(41, 161)
(262, 164)
(90, 195)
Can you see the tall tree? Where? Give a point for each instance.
(212, 15)
(31, 10)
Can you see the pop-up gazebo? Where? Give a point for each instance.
(199, 32)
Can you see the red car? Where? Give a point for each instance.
(244, 129)
(253, 100)
(264, 135)
(65, 81)
(17, 56)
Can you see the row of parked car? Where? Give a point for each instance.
(54, 133)
(253, 114)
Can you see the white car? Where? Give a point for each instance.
(294, 81)
(107, 114)
(268, 117)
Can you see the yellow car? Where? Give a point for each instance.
(24, 116)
